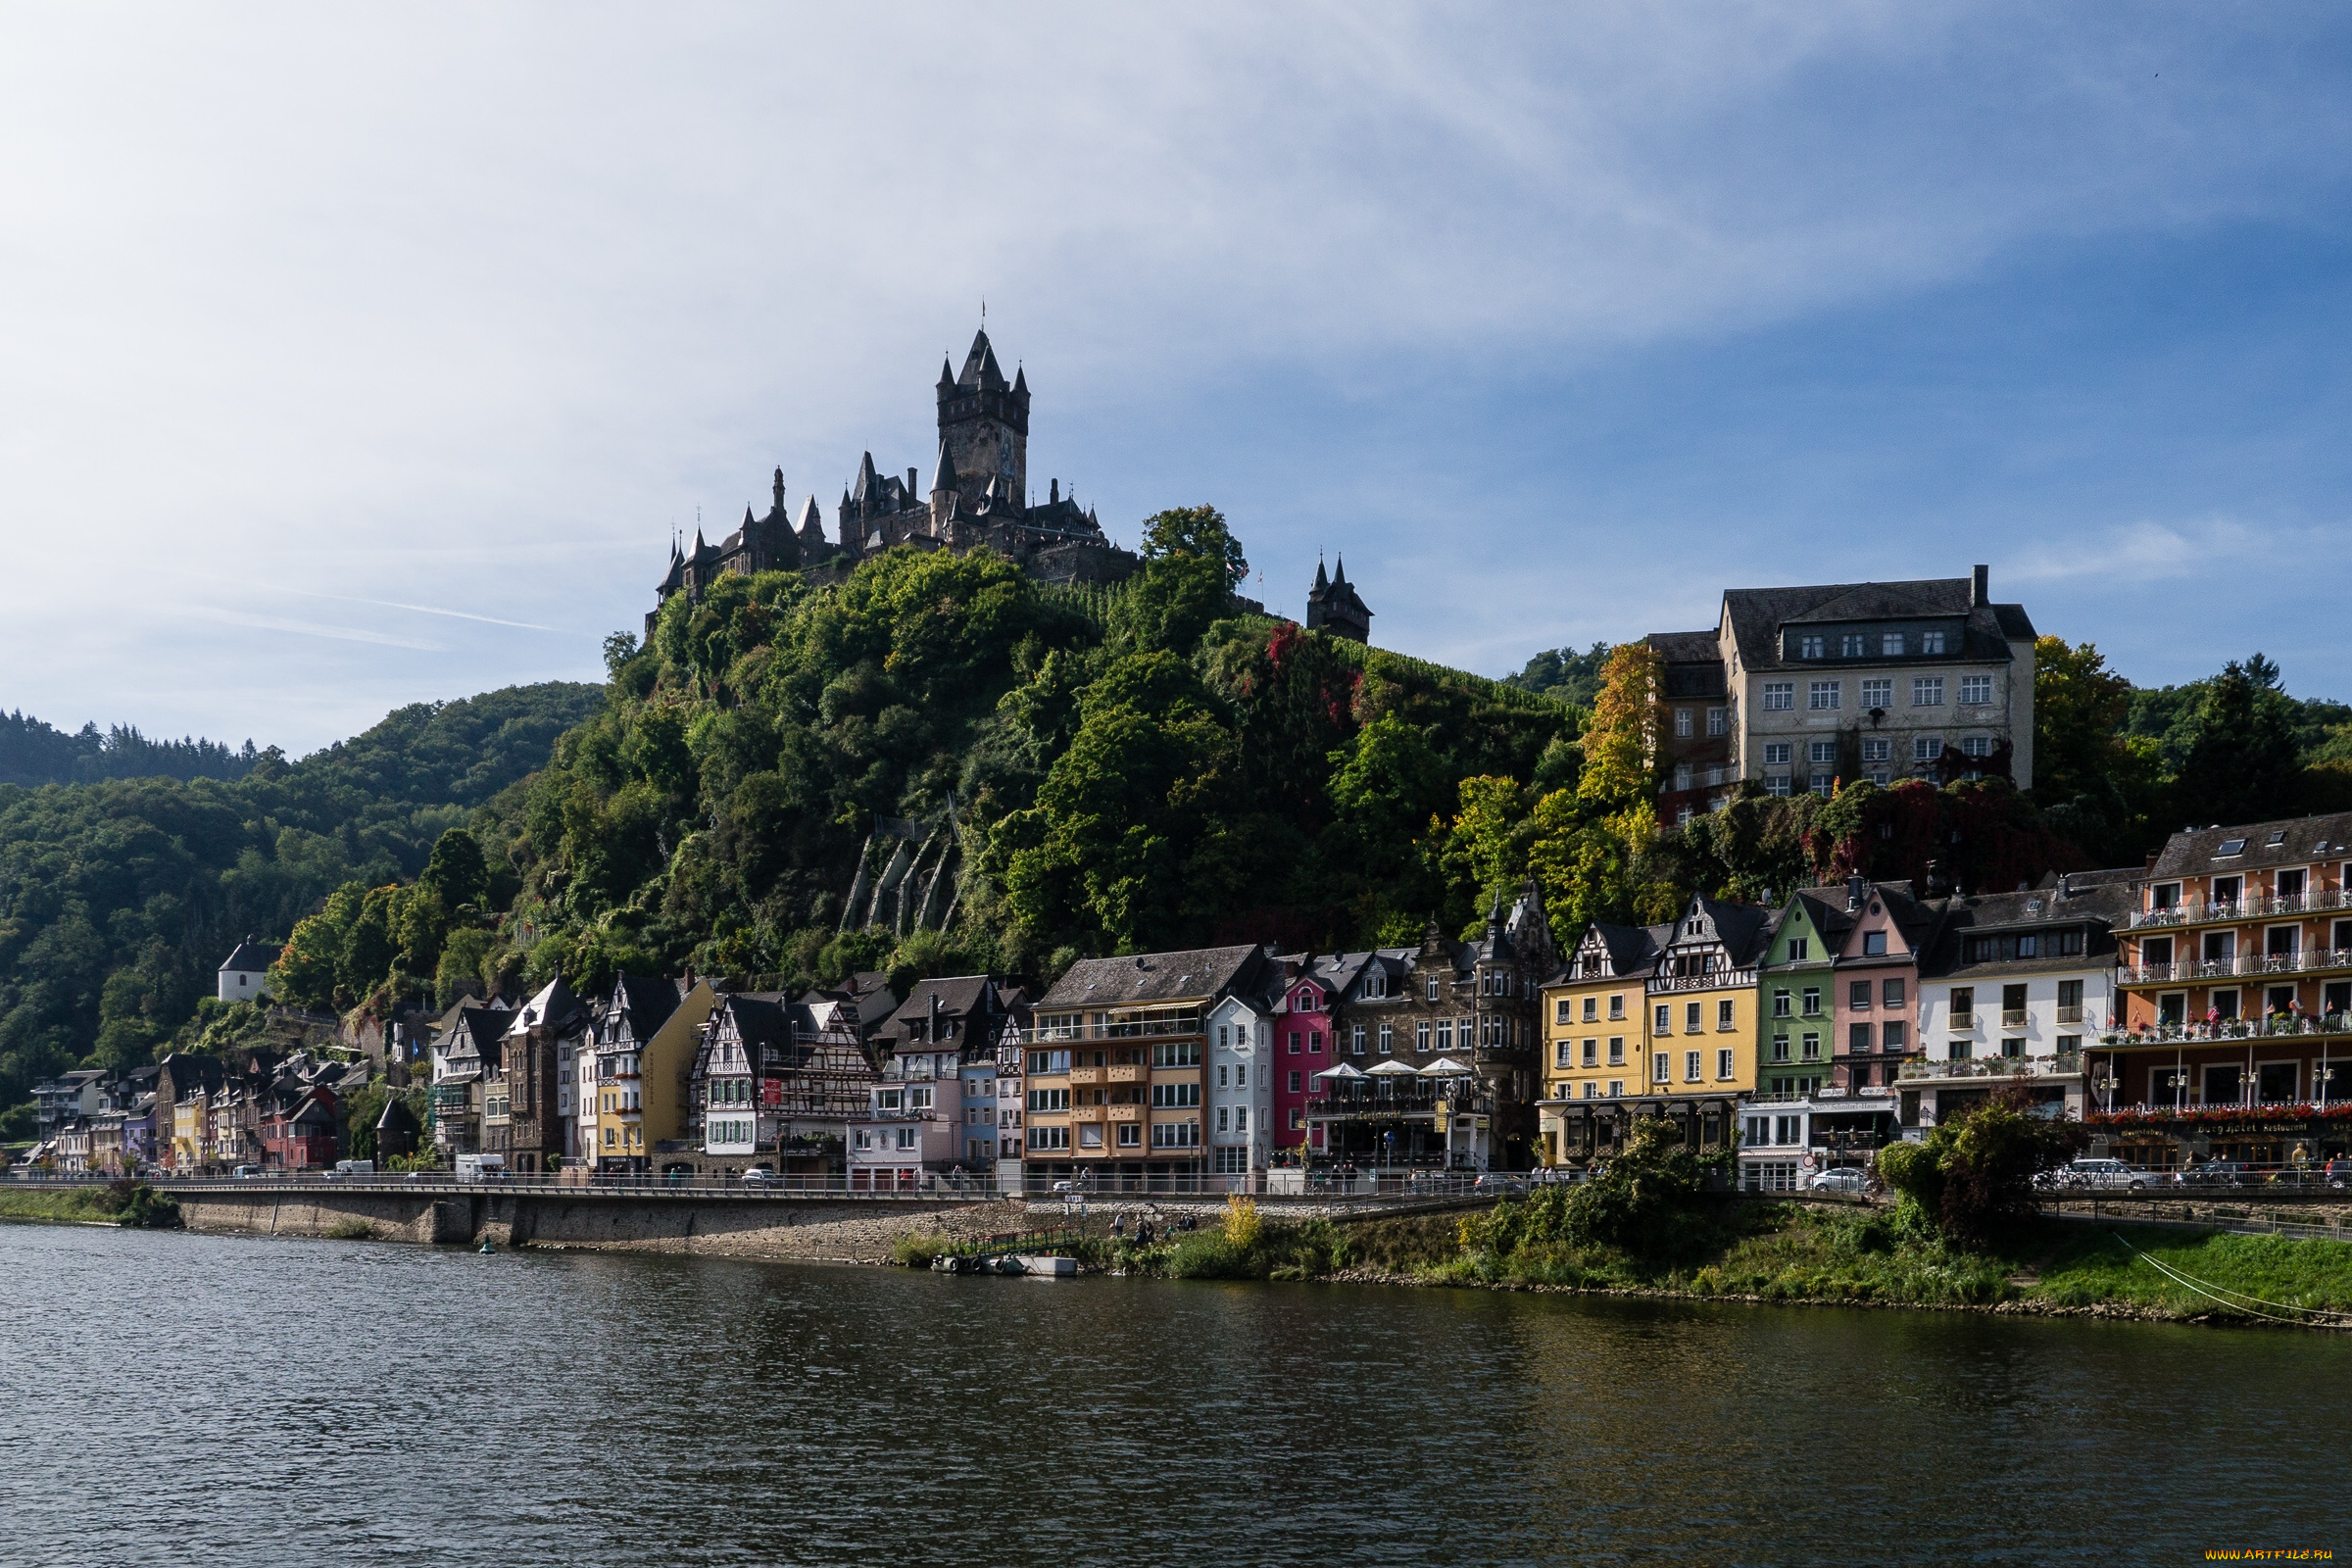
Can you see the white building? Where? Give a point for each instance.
(1241, 1088)
(2015, 984)
(245, 974)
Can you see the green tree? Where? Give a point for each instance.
(1972, 1175)
(1197, 533)
(2242, 763)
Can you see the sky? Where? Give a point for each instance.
(352, 356)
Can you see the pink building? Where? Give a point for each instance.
(1303, 1045)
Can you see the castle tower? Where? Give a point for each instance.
(1334, 605)
(984, 427)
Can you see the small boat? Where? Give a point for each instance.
(489, 1246)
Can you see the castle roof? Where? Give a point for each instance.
(980, 367)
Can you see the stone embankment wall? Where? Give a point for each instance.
(846, 1230)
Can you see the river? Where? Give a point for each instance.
(176, 1398)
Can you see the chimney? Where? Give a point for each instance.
(910, 481)
(1979, 587)
(1853, 892)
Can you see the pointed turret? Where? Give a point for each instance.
(747, 518)
(779, 492)
(942, 475)
(980, 367)
(1322, 582)
(1338, 573)
(947, 375)
(1020, 381)
(812, 524)
(870, 488)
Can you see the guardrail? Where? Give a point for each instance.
(1317, 1187)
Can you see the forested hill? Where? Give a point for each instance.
(119, 898)
(33, 753)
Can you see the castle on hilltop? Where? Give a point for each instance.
(979, 495)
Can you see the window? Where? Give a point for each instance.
(1241, 1077)
(1177, 1054)
(1563, 1053)
(1294, 1083)
(1682, 775)
(1891, 1036)
(1661, 1069)
(1421, 1035)
(1822, 695)
(1780, 1048)
(1851, 644)
(1776, 754)
(1813, 647)
(1616, 1050)
(2070, 1002)
(1175, 1135)
(1593, 1008)
(1690, 1066)
(1780, 696)
(1048, 1138)
(1131, 1136)
(1812, 1000)
(1820, 784)
(1681, 723)
(1663, 1023)
(1617, 1003)
(1930, 642)
(1563, 1011)
(1294, 1041)
(1811, 1051)
(1388, 1038)
(1857, 1039)
(1314, 1042)
(1782, 1005)
(1878, 694)
(1356, 1040)
(1877, 750)
(1592, 1053)
(1857, 994)
(1175, 1096)
(1964, 1006)
(1890, 994)
(1976, 689)
(1241, 1118)
(1048, 1061)
(1445, 1034)
(1890, 645)
(1874, 943)
(1049, 1100)
(1690, 1010)
(1718, 721)
(1927, 691)
(905, 1136)
(1723, 1013)
(1975, 746)
(1723, 1062)
(1821, 752)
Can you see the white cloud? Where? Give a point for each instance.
(467, 305)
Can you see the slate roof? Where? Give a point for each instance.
(643, 1003)
(553, 1008)
(2196, 852)
(961, 998)
(397, 1118)
(2100, 908)
(1153, 977)
(1757, 615)
(252, 955)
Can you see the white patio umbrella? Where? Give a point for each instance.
(1444, 1067)
(1394, 1069)
(1342, 1070)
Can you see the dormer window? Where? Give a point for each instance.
(2231, 847)
(1851, 644)
(2276, 838)
(1874, 943)
(1812, 648)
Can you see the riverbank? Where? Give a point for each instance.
(120, 1203)
(1801, 1255)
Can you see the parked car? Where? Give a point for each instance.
(1847, 1179)
(2109, 1176)
(758, 1173)
(244, 1171)
(1493, 1181)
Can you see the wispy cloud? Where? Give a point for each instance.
(2148, 551)
(308, 628)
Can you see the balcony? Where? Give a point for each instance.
(1088, 1112)
(2200, 912)
(1128, 1075)
(2069, 1065)
(2073, 1014)
(1125, 1112)
(1717, 980)
(2309, 962)
(2013, 1017)
(1086, 1077)
(1963, 1021)
(2335, 1024)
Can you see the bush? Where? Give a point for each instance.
(1973, 1176)
(916, 1251)
(1241, 1220)
(137, 1204)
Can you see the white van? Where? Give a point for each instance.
(480, 1167)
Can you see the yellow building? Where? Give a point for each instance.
(192, 1126)
(1595, 1046)
(1688, 1048)
(646, 1037)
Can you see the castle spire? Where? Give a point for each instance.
(779, 490)
(946, 375)
(1322, 582)
(813, 527)
(1339, 575)
(943, 478)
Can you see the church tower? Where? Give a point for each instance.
(984, 427)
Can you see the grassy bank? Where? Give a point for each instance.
(117, 1203)
(1794, 1252)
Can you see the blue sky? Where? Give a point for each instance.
(361, 357)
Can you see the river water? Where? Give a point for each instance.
(175, 1399)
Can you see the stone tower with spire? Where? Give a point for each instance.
(1334, 605)
(984, 434)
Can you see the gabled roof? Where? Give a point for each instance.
(252, 955)
(1687, 647)
(1153, 977)
(1744, 930)
(555, 1009)
(642, 1003)
(1757, 614)
(961, 997)
(2197, 852)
